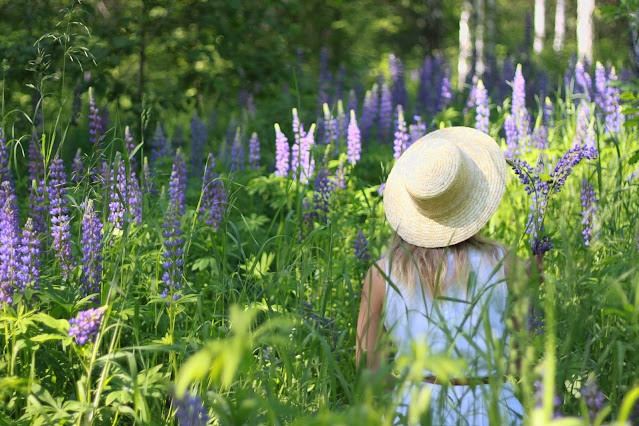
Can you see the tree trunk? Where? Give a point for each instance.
(634, 41)
(584, 29)
(465, 44)
(560, 25)
(491, 18)
(540, 25)
(480, 9)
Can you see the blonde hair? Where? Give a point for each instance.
(408, 260)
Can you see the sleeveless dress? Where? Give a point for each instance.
(469, 323)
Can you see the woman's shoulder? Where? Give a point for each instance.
(375, 281)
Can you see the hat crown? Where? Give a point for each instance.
(436, 176)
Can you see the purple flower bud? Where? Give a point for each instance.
(282, 152)
(9, 243)
(361, 247)
(78, 169)
(60, 220)
(85, 326)
(482, 110)
(91, 251)
(254, 152)
(353, 142)
(385, 111)
(190, 411)
(401, 140)
(95, 121)
(178, 184)
(589, 203)
(213, 196)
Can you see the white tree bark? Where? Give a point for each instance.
(560, 25)
(540, 25)
(480, 65)
(465, 44)
(584, 29)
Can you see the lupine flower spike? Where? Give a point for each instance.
(282, 152)
(60, 220)
(85, 326)
(9, 243)
(91, 251)
(254, 152)
(353, 140)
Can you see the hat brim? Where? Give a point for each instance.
(471, 214)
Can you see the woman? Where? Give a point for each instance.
(440, 283)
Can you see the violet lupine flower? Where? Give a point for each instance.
(134, 195)
(91, 251)
(60, 220)
(353, 142)
(600, 85)
(282, 152)
(482, 109)
(178, 184)
(37, 188)
(149, 187)
(77, 167)
(539, 396)
(172, 253)
(536, 321)
(385, 113)
(95, 121)
(5, 173)
(129, 146)
(29, 275)
(339, 179)
(589, 205)
(471, 102)
(425, 86)
(190, 411)
(416, 130)
(105, 116)
(254, 152)
(585, 132)
(341, 122)
(612, 107)
(177, 140)
(508, 72)
(361, 247)
(85, 326)
(399, 96)
(380, 190)
(400, 143)
(307, 162)
(198, 140)
(369, 111)
(9, 243)
(583, 82)
(352, 101)
(213, 196)
(445, 95)
(593, 397)
(237, 152)
(297, 128)
(117, 192)
(322, 195)
(330, 126)
(512, 143)
(519, 111)
(158, 145)
(540, 137)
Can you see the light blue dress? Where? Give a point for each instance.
(470, 324)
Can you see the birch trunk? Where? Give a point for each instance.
(560, 25)
(540, 25)
(584, 29)
(465, 44)
(480, 9)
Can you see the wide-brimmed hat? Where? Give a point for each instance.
(445, 187)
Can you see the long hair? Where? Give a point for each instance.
(430, 265)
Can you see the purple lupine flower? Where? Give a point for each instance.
(37, 188)
(593, 397)
(399, 96)
(612, 107)
(129, 146)
(190, 411)
(60, 220)
(134, 195)
(29, 275)
(519, 111)
(600, 85)
(322, 195)
(91, 251)
(583, 82)
(85, 326)
(352, 101)
(589, 205)
(540, 137)
(445, 95)
(353, 142)
(585, 132)
(77, 167)
(178, 184)
(297, 128)
(508, 72)
(482, 109)
(385, 113)
(401, 140)
(282, 152)
(5, 173)
(237, 152)
(307, 162)
(158, 145)
(536, 321)
(254, 152)
(380, 190)
(329, 133)
(117, 192)
(361, 247)
(416, 130)
(369, 112)
(512, 144)
(425, 86)
(556, 401)
(173, 253)
(213, 196)
(105, 115)
(9, 243)
(149, 187)
(177, 140)
(339, 179)
(95, 121)
(76, 107)
(471, 102)
(198, 140)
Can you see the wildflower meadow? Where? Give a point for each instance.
(202, 262)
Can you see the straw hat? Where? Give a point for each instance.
(445, 187)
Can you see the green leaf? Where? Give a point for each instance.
(627, 96)
(634, 158)
(56, 324)
(47, 336)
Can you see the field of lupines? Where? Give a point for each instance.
(189, 280)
